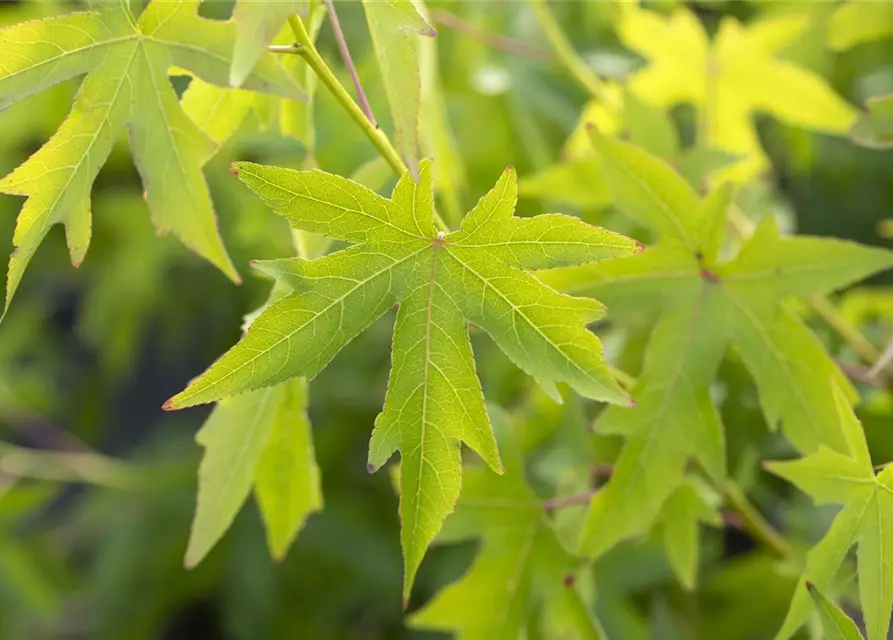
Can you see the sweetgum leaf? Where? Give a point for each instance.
(442, 282)
(703, 305)
(847, 478)
(127, 63)
(521, 559)
(730, 78)
(260, 439)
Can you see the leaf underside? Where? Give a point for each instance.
(441, 282)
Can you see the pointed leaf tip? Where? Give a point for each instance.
(640, 246)
(568, 580)
(233, 169)
(371, 468)
(168, 405)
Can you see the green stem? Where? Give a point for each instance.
(565, 51)
(754, 522)
(92, 468)
(376, 136)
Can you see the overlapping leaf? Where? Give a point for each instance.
(739, 73)
(701, 305)
(262, 440)
(521, 562)
(847, 478)
(442, 282)
(127, 63)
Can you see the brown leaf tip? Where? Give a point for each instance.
(371, 468)
(640, 246)
(632, 404)
(569, 580)
(168, 405)
(810, 585)
(405, 604)
(590, 126)
(233, 170)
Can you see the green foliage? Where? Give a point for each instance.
(127, 64)
(703, 302)
(521, 560)
(584, 425)
(867, 515)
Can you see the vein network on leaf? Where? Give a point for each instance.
(442, 281)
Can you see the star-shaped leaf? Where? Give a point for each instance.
(127, 63)
(521, 561)
(729, 79)
(442, 282)
(701, 305)
(866, 519)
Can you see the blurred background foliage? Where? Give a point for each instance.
(88, 355)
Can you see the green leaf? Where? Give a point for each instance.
(855, 22)
(396, 26)
(520, 562)
(260, 439)
(875, 128)
(730, 78)
(442, 282)
(690, 505)
(866, 519)
(837, 624)
(127, 64)
(286, 481)
(257, 23)
(703, 305)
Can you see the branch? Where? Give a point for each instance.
(565, 51)
(348, 62)
(754, 523)
(497, 41)
(571, 500)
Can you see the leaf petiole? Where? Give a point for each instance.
(375, 134)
